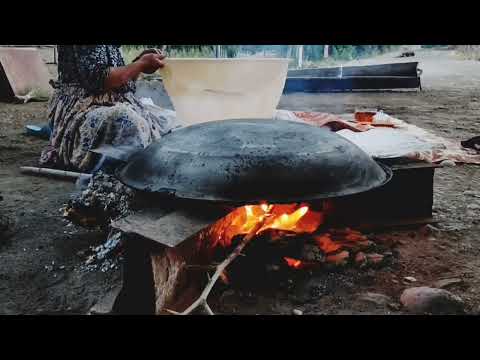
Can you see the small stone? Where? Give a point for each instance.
(426, 300)
(448, 163)
(297, 312)
(447, 283)
(410, 279)
(360, 259)
(311, 252)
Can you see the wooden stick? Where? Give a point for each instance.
(47, 171)
(202, 300)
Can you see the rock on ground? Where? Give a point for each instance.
(426, 300)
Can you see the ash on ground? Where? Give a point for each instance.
(104, 199)
(106, 256)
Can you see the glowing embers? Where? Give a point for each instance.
(337, 247)
(282, 223)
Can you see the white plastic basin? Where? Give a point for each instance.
(204, 90)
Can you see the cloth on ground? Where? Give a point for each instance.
(404, 140)
(435, 148)
(334, 122)
(386, 143)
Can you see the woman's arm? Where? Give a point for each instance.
(97, 76)
(119, 76)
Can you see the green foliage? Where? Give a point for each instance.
(433, 46)
(311, 53)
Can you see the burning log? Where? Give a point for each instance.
(202, 300)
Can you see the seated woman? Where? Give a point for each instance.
(94, 104)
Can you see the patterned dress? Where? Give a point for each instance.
(84, 116)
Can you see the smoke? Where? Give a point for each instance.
(100, 163)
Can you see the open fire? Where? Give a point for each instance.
(295, 235)
(281, 221)
(291, 218)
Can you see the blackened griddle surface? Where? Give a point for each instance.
(252, 160)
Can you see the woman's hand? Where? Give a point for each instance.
(144, 52)
(151, 62)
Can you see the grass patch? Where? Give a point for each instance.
(130, 52)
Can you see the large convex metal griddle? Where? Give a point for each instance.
(247, 161)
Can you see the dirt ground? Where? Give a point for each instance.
(40, 264)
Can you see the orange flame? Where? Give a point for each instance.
(293, 218)
(289, 217)
(294, 263)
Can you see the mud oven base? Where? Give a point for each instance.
(154, 274)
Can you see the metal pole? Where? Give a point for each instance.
(300, 56)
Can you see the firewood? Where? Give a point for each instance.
(52, 172)
(201, 302)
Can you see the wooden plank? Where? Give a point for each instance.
(175, 284)
(157, 277)
(166, 227)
